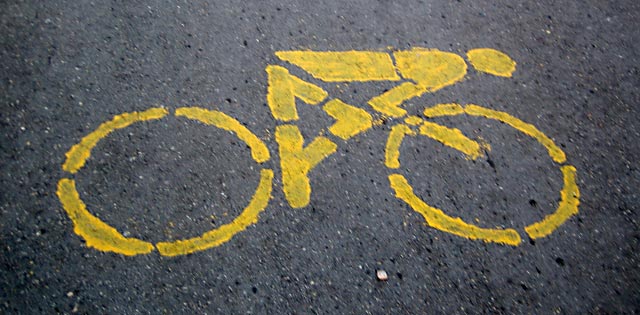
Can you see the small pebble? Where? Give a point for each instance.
(382, 275)
(70, 293)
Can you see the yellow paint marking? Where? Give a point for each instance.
(259, 150)
(451, 137)
(426, 70)
(350, 120)
(388, 103)
(296, 162)
(95, 232)
(430, 69)
(570, 199)
(79, 153)
(224, 233)
(554, 151)
(335, 66)
(444, 110)
(492, 61)
(392, 150)
(283, 90)
(104, 237)
(436, 218)
(413, 120)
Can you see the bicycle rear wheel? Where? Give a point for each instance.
(102, 236)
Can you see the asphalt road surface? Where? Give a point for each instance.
(69, 66)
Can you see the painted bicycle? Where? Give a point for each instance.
(418, 71)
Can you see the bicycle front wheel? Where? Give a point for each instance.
(437, 218)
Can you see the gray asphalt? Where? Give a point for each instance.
(68, 66)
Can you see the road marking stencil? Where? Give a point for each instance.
(418, 72)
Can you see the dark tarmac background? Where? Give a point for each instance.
(68, 66)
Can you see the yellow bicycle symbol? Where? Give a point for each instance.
(419, 70)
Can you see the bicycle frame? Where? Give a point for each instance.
(421, 70)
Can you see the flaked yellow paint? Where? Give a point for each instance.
(283, 88)
(451, 137)
(94, 231)
(296, 161)
(79, 153)
(413, 120)
(569, 202)
(336, 66)
(436, 218)
(492, 61)
(224, 233)
(350, 120)
(259, 151)
(388, 103)
(554, 151)
(392, 149)
(450, 109)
